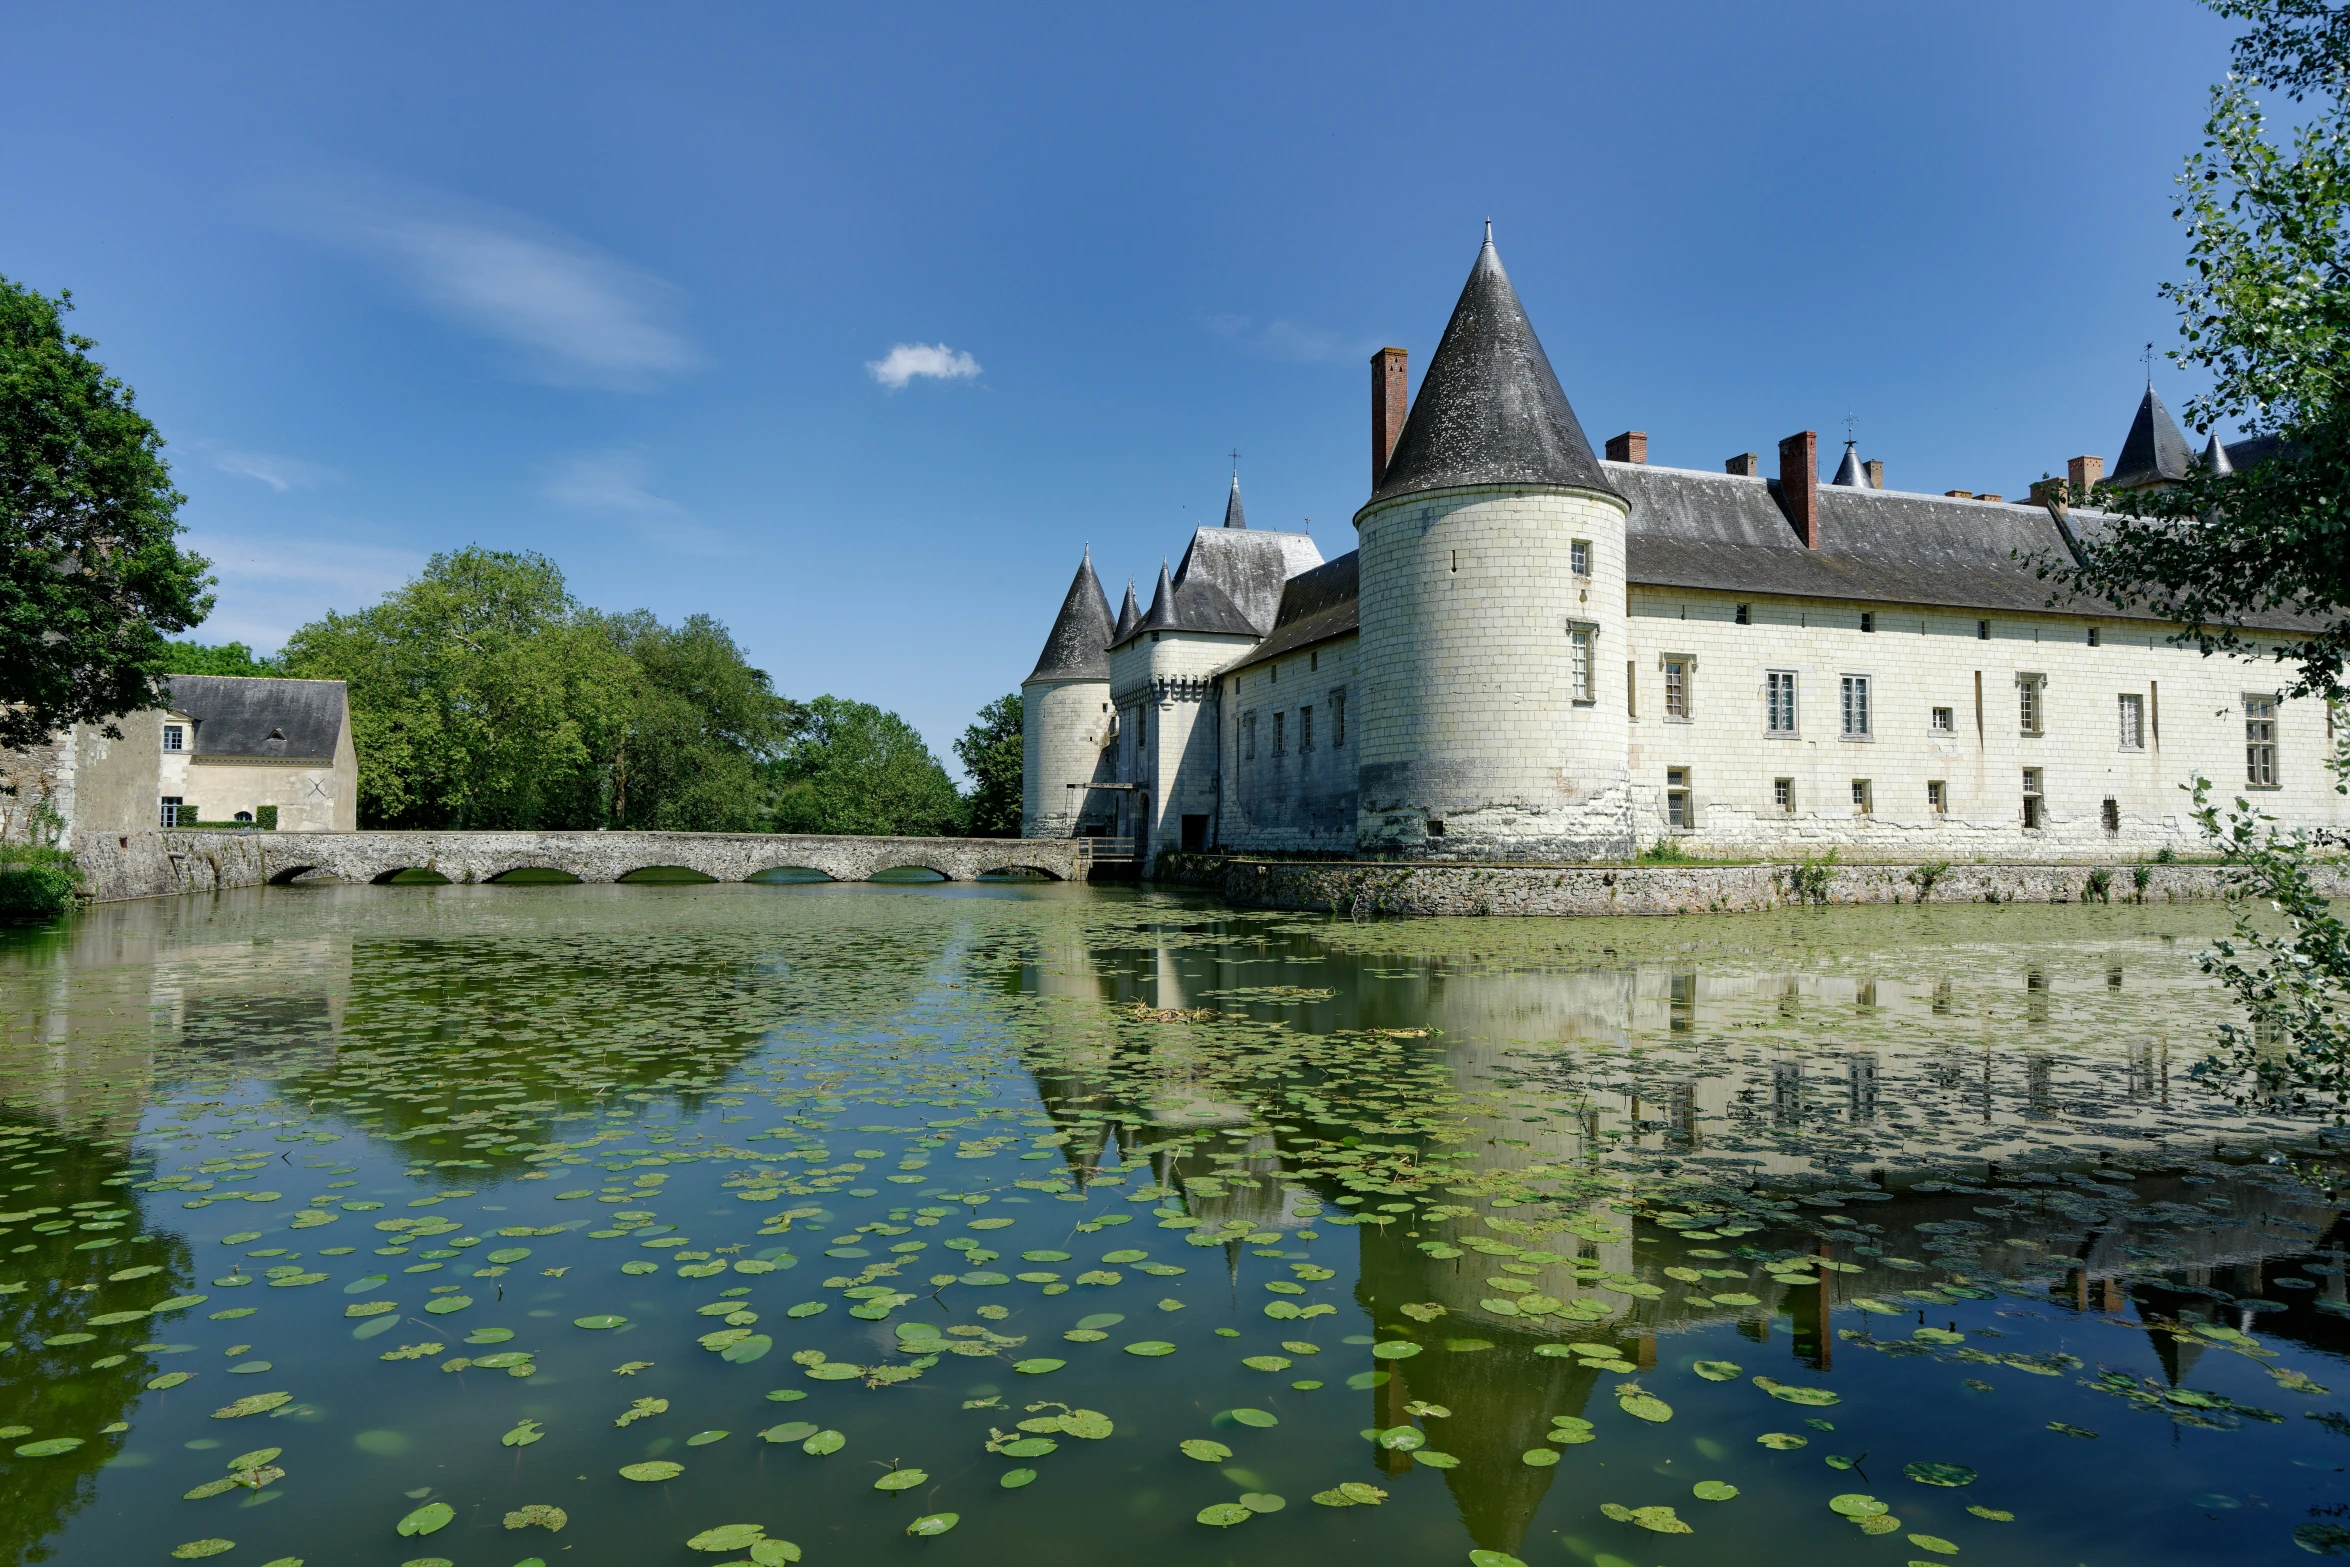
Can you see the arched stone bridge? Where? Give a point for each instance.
(157, 863)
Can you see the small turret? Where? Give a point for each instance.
(1064, 714)
(1849, 472)
(2215, 457)
(2155, 451)
(1129, 616)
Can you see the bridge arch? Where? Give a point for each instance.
(535, 876)
(789, 875)
(896, 872)
(671, 874)
(1011, 869)
(409, 875)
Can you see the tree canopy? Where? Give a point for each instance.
(990, 751)
(701, 721)
(91, 573)
(229, 658)
(852, 768)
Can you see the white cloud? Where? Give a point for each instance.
(934, 361)
(271, 586)
(615, 482)
(1288, 340)
(578, 314)
(279, 473)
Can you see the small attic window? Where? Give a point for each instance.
(277, 734)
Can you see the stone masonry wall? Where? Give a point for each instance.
(1063, 726)
(1298, 796)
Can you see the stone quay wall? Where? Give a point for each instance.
(1375, 887)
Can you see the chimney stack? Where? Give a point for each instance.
(1799, 484)
(1390, 400)
(1747, 465)
(1875, 469)
(1631, 446)
(2083, 474)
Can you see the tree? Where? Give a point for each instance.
(229, 658)
(852, 768)
(481, 694)
(687, 757)
(2265, 311)
(91, 575)
(991, 753)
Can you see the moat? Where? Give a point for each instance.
(1032, 1223)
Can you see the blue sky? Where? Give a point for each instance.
(852, 325)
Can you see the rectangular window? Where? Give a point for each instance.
(1856, 707)
(175, 737)
(1745, 615)
(1579, 557)
(1779, 701)
(1248, 737)
(2094, 638)
(2133, 721)
(1944, 721)
(1579, 640)
(1868, 620)
(2035, 805)
(2031, 702)
(1783, 794)
(1338, 720)
(1280, 734)
(2260, 741)
(1679, 811)
(1677, 688)
(2112, 815)
(172, 806)
(1631, 688)
(1314, 660)
(1982, 631)
(1938, 797)
(1305, 729)
(1863, 798)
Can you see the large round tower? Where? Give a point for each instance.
(1065, 715)
(1493, 616)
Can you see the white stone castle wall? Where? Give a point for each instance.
(1163, 687)
(1468, 715)
(1303, 799)
(1063, 726)
(1921, 659)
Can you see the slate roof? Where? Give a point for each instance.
(1079, 647)
(1129, 616)
(1849, 472)
(1228, 584)
(1490, 409)
(293, 720)
(2155, 450)
(1316, 605)
(1192, 603)
(1234, 516)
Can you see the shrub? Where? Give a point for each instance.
(1926, 875)
(265, 817)
(1664, 852)
(2099, 885)
(2166, 855)
(1809, 878)
(36, 884)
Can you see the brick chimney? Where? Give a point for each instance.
(1875, 469)
(1747, 465)
(1799, 484)
(2083, 474)
(1631, 446)
(1390, 399)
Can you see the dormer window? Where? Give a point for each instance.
(277, 734)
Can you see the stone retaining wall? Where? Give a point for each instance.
(1361, 887)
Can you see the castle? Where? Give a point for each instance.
(1536, 654)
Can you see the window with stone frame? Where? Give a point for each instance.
(1305, 728)
(1677, 668)
(1783, 794)
(2132, 715)
(2260, 741)
(1779, 712)
(1338, 719)
(1854, 691)
(1579, 557)
(175, 737)
(1248, 737)
(2032, 703)
(1281, 734)
(1581, 651)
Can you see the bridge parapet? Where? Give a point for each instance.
(155, 864)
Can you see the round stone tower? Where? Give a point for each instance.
(1065, 715)
(1493, 617)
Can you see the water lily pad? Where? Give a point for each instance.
(1856, 1504)
(726, 1537)
(428, 1519)
(1933, 1542)
(705, 1438)
(824, 1443)
(1939, 1474)
(1090, 1424)
(1718, 1370)
(197, 1550)
(1782, 1442)
(49, 1447)
(1493, 1559)
(902, 1480)
(1713, 1490)
(1640, 1406)
(1256, 1417)
(253, 1404)
(1150, 1347)
(522, 1435)
(1817, 1397)
(652, 1469)
(1128, 1255)
(1262, 1501)
(1394, 1349)
(1031, 1447)
(1205, 1451)
(1267, 1363)
(1539, 1457)
(506, 1254)
(167, 1381)
(745, 1350)
(1013, 1479)
(1996, 1515)
(933, 1523)
(1038, 1366)
(1223, 1515)
(601, 1320)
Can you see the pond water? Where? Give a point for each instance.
(1038, 1224)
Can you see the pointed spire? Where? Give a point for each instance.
(2215, 457)
(1849, 472)
(1162, 597)
(1079, 646)
(1234, 517)
(2155, 452)
(1129, 616)
(1490, 409)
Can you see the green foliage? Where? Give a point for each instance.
(91, 575)
(37, 883)
(481, 695)
(1665, 851)
(991, 753)
(2265, 314)
(265, 817)
(230, 658)
(1809, 878)
(2141, 874)
(852, 768)
(1924, 876)
(700, 722)
(2098, 887)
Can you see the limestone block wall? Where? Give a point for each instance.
(1164, 687)
(1470, 713)
(1064, 724)
(118, 781)
(29, 780)
(1295, 792)
(2191, 710)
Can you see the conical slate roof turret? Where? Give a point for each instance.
(1079, 647)
(2215, 457)
(1849, 472)
(1161, 615)
(1234, 517)
(1490, 409)
(2155, 453)
(1129, 616)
